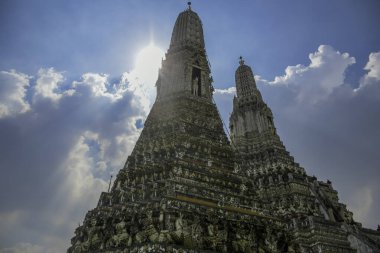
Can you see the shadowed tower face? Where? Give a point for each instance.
(184, 188)
(186, 69)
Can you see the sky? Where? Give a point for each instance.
(77, 82)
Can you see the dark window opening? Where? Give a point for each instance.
(196, 82)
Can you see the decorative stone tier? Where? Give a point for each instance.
(179, 188)
(186, 188)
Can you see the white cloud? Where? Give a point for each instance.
(373, 68)
(80, 168)
(47, 84)
(13, 87)
(85, 137)
(312, 83)
(78, 192)
(361, 204)
(23, 248)
(121, 145)
(230, 90)
(144, 75)
(96, 83)
(316, 81)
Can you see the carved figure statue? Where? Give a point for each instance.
(196, 233)
(121, 238)
(195, 86)
(210, 230)
(244, 242)
(180, 229)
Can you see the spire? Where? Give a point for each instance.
(186, 69)
(241, 61)
(251, 121)
(187, 30)
(245, 81)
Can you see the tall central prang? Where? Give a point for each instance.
(186, 69)
(187, 188)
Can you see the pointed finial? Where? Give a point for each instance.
(189, 4)
(241, 60)
(109, 186)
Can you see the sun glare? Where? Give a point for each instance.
(148, 62)
(145, 73)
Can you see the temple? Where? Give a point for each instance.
(187, 187)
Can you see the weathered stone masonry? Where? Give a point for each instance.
(187, 188)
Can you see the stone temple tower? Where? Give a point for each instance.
(281, 184)
(187, 188)
(251, 123)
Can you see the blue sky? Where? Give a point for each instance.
(74, 91)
